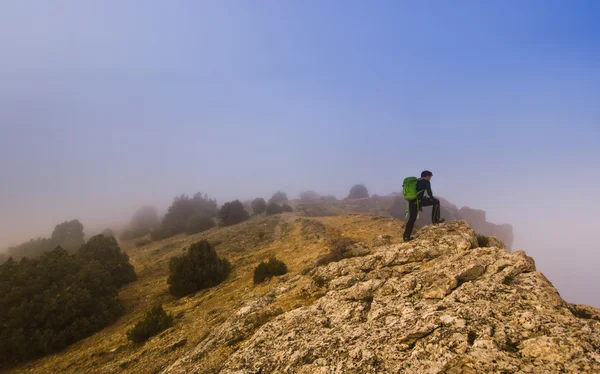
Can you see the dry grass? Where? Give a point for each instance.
(296, 241)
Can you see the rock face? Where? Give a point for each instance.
(434, 305)
(476, 218)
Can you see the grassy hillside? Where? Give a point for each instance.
(296, 240)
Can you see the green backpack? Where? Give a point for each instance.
(409, 188)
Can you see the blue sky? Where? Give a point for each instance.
(107, 105)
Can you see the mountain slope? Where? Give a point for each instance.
(430, 306)
(433, 305)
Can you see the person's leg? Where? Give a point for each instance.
(412, 217)
(435, 210)
(435, 214)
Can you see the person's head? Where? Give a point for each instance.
(426, 175)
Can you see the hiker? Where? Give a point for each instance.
(415, 205)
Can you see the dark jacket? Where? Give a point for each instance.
(422, 186)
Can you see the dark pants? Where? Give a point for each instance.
(413, 210)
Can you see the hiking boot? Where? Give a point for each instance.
(441, 220)
(408, 239)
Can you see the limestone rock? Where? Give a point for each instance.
(433, 305)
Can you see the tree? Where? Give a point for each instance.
(144, 219)
(199, 223)
(52, 301)
(199, 268)
(358, 191)
(31, 249)
(309, 196)
(274, 208)
(107, 252)
(182, 211)
(287, 208)
(69, 235)
(259, 205)
(278, 198)
(232, 213)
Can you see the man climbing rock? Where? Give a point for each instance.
(422, 185)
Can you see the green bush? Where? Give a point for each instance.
(52, 301)
(155, 321)
(259, 205)
(182, 214)
(199, 268)
(268, 269)
(358, 191)
(200, 223)
(278, 198)
(274, 208)
(287, 208)
(483, 241)
(106, 251)
(232, 213)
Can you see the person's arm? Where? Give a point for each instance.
(429, 190)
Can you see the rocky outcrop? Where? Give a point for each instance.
(438, 304)
(476, 218)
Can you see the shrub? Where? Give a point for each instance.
(259, 205)
(269, 269)
(200, 223)
(508, 279)
(286, 208)
(483, 241)
(181, 212)
(233, 213)
(142, 242)
(199, 268)
(106, 251)
(274, 208)
(52, 301)
(144, 220)
(358, 191)
(278, 198)
(339, 248)
(155, 321)
(309, 195)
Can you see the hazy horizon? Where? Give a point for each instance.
(108, 106)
